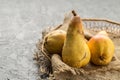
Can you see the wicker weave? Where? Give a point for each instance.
(61, 71)
(102, 24)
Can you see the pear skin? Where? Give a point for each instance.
(54, 41)
(102, 48)
(75, 51)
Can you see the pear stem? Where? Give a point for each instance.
(74, 13)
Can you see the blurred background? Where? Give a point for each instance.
(21, 24)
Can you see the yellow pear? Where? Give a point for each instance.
(101, 48)
(54, 41)
(75, 51)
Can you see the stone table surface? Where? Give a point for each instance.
(21, 23)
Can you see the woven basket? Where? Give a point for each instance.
(53, 67)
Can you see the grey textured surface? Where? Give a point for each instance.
(21, 22)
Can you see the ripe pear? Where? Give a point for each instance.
(54, 41)
(101, 48)
(75, 51)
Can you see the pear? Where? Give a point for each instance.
(75, 51)
(54, 41)
(101, 48)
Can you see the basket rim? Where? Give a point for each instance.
(101, 19)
